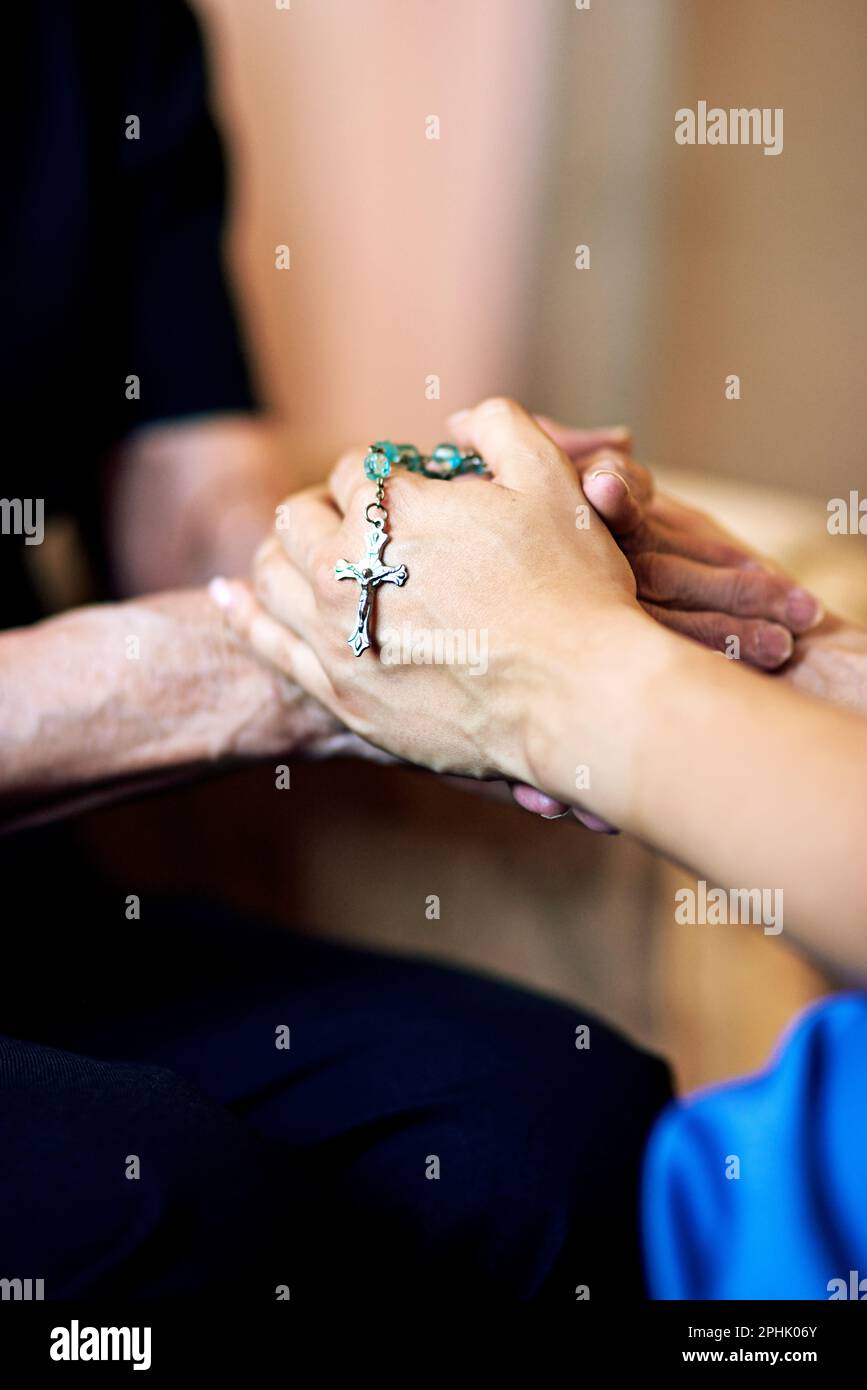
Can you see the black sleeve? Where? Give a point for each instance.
(179, 329)
(110, 257)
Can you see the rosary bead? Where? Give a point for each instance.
(378, 460)
(447, 458)
(410, 457)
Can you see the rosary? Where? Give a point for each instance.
(446, 461)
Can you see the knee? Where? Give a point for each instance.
(122, 1178)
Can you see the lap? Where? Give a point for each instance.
(122, 1179)
(426, 1123)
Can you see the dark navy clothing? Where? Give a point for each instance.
(427, 1133)
(109, 253)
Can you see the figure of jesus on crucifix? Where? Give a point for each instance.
(369, 576)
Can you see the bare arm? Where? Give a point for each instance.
(751, 784)
(118, 695)
(192, 498)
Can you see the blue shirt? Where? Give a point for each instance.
(758, 1189)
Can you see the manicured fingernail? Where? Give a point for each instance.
(803, 610)
(539, 803)
(596, 823)
(776, 644)
(607, 473)
(558, 815)
(221, 592)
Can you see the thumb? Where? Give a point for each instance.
(618, 488)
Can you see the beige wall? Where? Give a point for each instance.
(718, 259)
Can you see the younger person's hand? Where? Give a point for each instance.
(503, 559)
(691, 574)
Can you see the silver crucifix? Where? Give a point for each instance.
(368, 576)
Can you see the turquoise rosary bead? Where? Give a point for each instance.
(446, 461)
(378, 460)
(410, 458)
(452, 462)
(448, 457)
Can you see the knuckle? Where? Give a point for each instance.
(324, 579)
(347, 467)
(710, 628)
(743, 590)
(262, 583)
(344, 681)
(499, 405)
(639, 478)
(351, 458)
(321, 554)
(651, 575)
(264, 552)
(284, 510)
(354, 516)
(642, 539)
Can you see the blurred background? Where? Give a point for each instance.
(428, 273)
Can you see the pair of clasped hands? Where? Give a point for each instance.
(564, 592)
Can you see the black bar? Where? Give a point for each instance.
(192, 1336)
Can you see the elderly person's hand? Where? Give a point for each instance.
(690, 574)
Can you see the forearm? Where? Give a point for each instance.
(751, 784)
(218, 477)
(117, 692)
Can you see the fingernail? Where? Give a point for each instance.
(607, 473)
(803, 610)
(618, 431)
(539, 803)
(558, 815)
(776, 644)
(221, 592)
(596, 823)
(457, 416)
